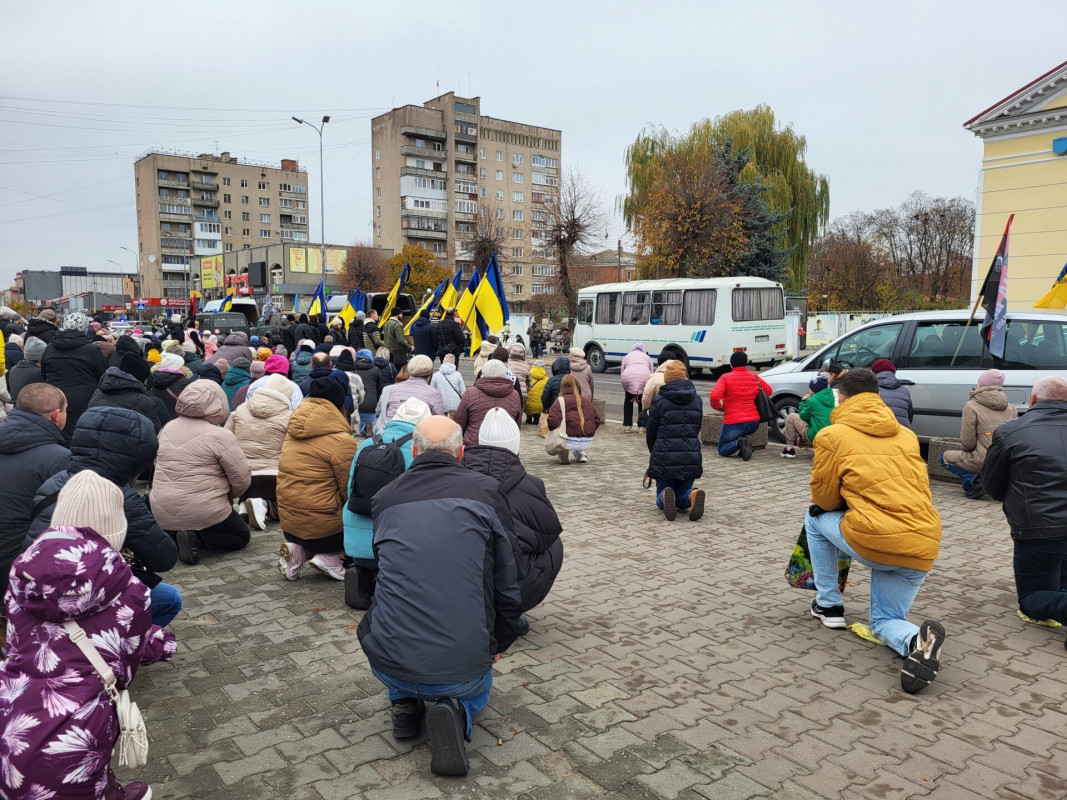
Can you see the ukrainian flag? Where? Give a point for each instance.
(1057, 296)
(355, 303)
(318, 301)
(431, 301)
(393, 294)
(228, 303)
(450, 296)
(466, 300)
(492, 307)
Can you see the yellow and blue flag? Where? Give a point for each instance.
(431, 301)
(492, 307)
(227, 304)
(466, 299)
(393, 294)
(318, 301)
(450, 296)
(1057, 295)
(356, 301)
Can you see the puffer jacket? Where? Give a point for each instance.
(234, 346)
(386, 370)
(484, 352)
(574, 423)
(32, 450)
(538, 380)
(313, 470)
(520, 368)
(450, 338)
(560, 368)
(486, 394)
(637, 368)
(21, 375)
(42, 329)
(372, 384)
(117, 444)
(654, 384)
(301, 367)
(986, 409)
(359, 530)
(119, 389)
(200, 467)
(424, 337)
(449, 383)
(581, 372)
(816, 410)
(734, 394)
(167, 387)
(74, 364)
(234, 380)
(673, 433)
(1024, 468)
(259, 426)
(895, 395)
(12, 354)
(535, 541)
(60, 726)
(869, 463)
(413, 387)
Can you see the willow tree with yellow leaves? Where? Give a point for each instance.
(732, 196)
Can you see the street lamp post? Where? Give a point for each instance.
(322, 183)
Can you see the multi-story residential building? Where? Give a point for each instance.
(441, 170)
(193, 206)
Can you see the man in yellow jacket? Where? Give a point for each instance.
(871, 501)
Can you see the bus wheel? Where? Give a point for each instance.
(595, 356)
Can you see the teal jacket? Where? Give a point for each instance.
(234, 380)
(359, 530)
(815, 411)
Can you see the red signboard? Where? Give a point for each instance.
(112, 308)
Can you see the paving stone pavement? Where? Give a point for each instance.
(671, 660)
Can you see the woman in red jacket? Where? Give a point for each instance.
(735, 395)
(580, 417)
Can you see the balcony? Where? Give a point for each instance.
(459, 155)
(173, 234)
(177, 251)
(205, 203)
(294, 236)
(422, 133)
(174, 284)
(294, 226)
(207, 218)
(424, 173)
(211, 187)
(416, 233)
(424, 152)
(165, 217)
(466, 137)
(173, 183)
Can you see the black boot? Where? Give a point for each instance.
(188, 547)
(359, 587)
(447, 726)
(407, 713)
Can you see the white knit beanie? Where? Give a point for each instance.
(171, 362)
(499, 430)
(412, 410)
(89, 501)
(420, 366)
(494, 369)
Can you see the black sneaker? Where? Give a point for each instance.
(447, 727)
(524, 626)
(188, 547)
(977, 489)
(359, 587)
(407, 713)
(746, 448)
(670, 507)
(920, 668)
(789, 452)
(696, 510)
(832, 617)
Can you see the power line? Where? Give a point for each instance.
(189, 108)
(54, 194)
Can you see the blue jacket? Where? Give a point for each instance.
(561, 368)
(359, 530)
(234, 380)
(301, 366)
(12, 354)
(424, 337)
(673, 433)
(896, 395)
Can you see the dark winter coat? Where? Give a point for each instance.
(895, 395)
(305, 330)
(1026, 468)
(560, 368)
(12, 355)
(673, 433)
(318, 372)
(22, 374)
(74, 364)
(117, 444)
(32, 450)
(467, 605)
(301, 366)
(234, 346)
(450, 338)
(536, 544)
(209, 372)
(42, 329)
(167, 386)
(574, 423)
(424, 337)
(386, 369)
(340, 337)
(193, 362)
(234, 380)
(485, 395)
(288, 337)
(119, 389)
(372, 384)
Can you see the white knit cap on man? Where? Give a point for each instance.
(89, 501)
(499, 430)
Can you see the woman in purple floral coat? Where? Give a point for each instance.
(58, 726)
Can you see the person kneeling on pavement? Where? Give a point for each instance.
(734, 394)
(313, 482)
(987, 408)
(537, 547)
(871, 501)
(447, 602)
(673, 439)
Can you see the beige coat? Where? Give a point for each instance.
(200, 467)
(581, 372)
(484, 352)
(259, 425)
(653, 384)
(987, 408)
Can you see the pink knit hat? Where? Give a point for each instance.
(991, 377)
(276, 364)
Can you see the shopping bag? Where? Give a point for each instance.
(799, 574)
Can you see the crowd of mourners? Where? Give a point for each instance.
(349, 439)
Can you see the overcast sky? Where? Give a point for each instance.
(879, 90)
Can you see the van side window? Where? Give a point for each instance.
(1035, 344)
(698, 307)
(754, 304)
(608, 308)
(666, 308)
(635, 308)
(939, 344)
(585, 312)
(863, 348)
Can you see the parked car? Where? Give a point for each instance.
(939, 357)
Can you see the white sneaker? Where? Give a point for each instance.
(257, 513)
(291, 558)
(628, 429)
(582, 458)
(329, 564)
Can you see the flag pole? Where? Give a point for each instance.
(974, 311)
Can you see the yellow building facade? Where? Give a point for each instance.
(1024, 172)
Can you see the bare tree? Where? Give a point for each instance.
(485, 237)
(574, 219)
(366, 268)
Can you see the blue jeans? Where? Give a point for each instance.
(1040, 567)
(473, 695)
(731, 433)
(893, 589)
(366, 419)
(166, 603)
(968, 477)
(681, 492)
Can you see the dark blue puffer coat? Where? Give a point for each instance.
(896, 395)
(424, 336)
(673, 433)
(561, 367)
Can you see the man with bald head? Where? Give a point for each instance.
(447, 600)
(1026, 468)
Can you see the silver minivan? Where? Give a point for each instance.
(938, 357)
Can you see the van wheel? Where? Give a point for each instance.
(784, 406)
(595, 356)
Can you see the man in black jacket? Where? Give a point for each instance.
(125, 386)
(450, 338)
(673, 438)
(431, 631)
(119, 444)
(1026, 468)
(75, 365)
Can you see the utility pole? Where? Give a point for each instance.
(618, 274)
(322, 183)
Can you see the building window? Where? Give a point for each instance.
(379, 228)
(377, 156)
(264, 233)
(264, 218)
(244, 199)
(481, 152)
(499, 155)
(482, 192)
(544, 270)
(378, 191)
(228, 231)
(467, 206)
(482, 173)
(378, 212)
(464, 187)
(244, 183)
(245, 216)
(517, 215)
(265, 202)
(499, 213)
(517, 288)
(516, 252)
(228, 214)
(245, 232)
(225, 198)
(378, 173)
(247, 247)
(516, 269)
(263, 186)
(422, 183)
(516, 233)
(516, 159)
(499, 194)
(225, 181)
(517, 177)
(420, 164)
(500, 174)
(229, 247)
(420, 143)
(516, 197)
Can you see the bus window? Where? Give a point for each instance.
(608, 308)
(666, 308)
(635, 308)
(585, 312)
(756, 304)
(698, 307)
(1031, 344)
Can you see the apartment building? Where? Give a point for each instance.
(191, 206)
(441, 169)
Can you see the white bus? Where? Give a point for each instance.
(700, 321)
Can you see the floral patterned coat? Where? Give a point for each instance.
(57, 724)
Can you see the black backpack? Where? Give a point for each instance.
(376, 467)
